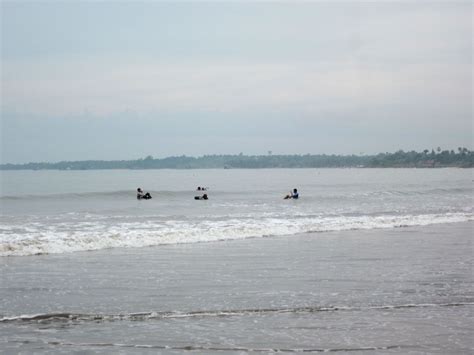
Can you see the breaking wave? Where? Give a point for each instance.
(98, 233)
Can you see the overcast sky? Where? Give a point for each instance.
(122, 80)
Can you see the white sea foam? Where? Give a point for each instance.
(95, 234)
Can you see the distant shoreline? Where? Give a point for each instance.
(269, 168)
(463, 158)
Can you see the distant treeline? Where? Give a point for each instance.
(462, 158)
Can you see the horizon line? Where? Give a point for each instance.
(438, 150)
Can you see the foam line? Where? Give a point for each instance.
(85, 317)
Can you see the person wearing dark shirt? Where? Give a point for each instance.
(293, 194)
(141, 195)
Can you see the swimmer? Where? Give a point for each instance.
(293, 194)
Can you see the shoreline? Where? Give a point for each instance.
(242, 168)
(400, 159)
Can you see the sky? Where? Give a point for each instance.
(112, 80)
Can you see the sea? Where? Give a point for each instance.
(369, 261)
(46, 212)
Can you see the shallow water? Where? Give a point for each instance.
(67, 211)
(367, 260)
(405, 290)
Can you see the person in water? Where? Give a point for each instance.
(293, 194)
(203, 197)
(141, 195)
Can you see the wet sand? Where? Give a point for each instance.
(404, 290)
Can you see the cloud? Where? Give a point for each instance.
(145, 86)
(308, 58)
(396, 74)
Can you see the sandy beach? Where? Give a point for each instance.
(405, 290)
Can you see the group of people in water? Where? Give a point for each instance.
(146, 196)
(204, 196)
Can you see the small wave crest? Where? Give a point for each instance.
(145, 316)
(126, 194)
(214, 348)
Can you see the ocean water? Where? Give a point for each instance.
(381, 291)
(366, 261)
(68, 211)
